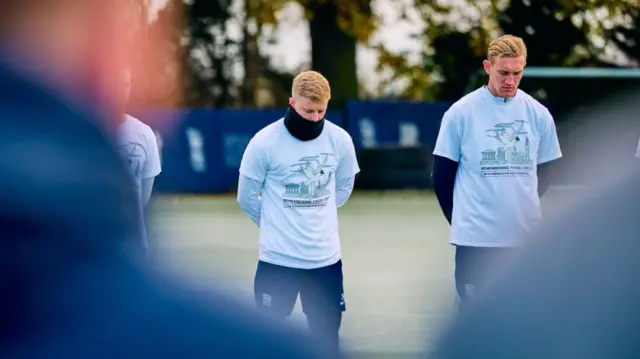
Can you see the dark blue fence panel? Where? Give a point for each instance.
(201, 149)
(392, 123)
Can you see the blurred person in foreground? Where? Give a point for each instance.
(294, 175)
(491, 146)
(139, 149)
(571, 292)
(70, 288)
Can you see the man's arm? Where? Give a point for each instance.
(548, 151)
(249, 197)
(145, 191)
(444, 178)
(446, 162)
(343, 190)
(546, 174)
(152, 167)
(346, 172)
(253, 174)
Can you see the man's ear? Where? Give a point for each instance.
(487, 66)
(291, 101)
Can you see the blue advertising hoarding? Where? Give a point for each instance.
(392, 123)
(201, 149)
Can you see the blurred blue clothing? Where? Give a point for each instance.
(69, 279)
(572, 292)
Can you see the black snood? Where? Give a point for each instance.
(301, 128)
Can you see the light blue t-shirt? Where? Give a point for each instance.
(299, 213)
(139, 148)
(498, 145)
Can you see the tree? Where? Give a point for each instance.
(627, 36)
(188, 56)
(211, 55)
(333, 51)
(335, 29)
(536, 22)
(454, 60)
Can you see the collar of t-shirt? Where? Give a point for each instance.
(498, 100)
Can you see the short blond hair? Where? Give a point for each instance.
(311, 85)
(507, 46)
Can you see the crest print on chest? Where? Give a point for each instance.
(308, 183)
(507, 151)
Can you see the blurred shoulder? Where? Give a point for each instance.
(137, 123)
(133, 124)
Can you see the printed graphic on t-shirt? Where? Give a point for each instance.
(512, 155)
(312, 189)
(134, 155)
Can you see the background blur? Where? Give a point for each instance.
(220, 70)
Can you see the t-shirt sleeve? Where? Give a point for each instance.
(254, 164)
(348, 161)
(549, 147)
(152, 166)
(449, 138)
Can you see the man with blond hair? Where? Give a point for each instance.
(294, 175)
(489, 150)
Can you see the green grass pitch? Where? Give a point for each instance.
(398, 265)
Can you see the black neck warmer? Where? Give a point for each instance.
(301, 128)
